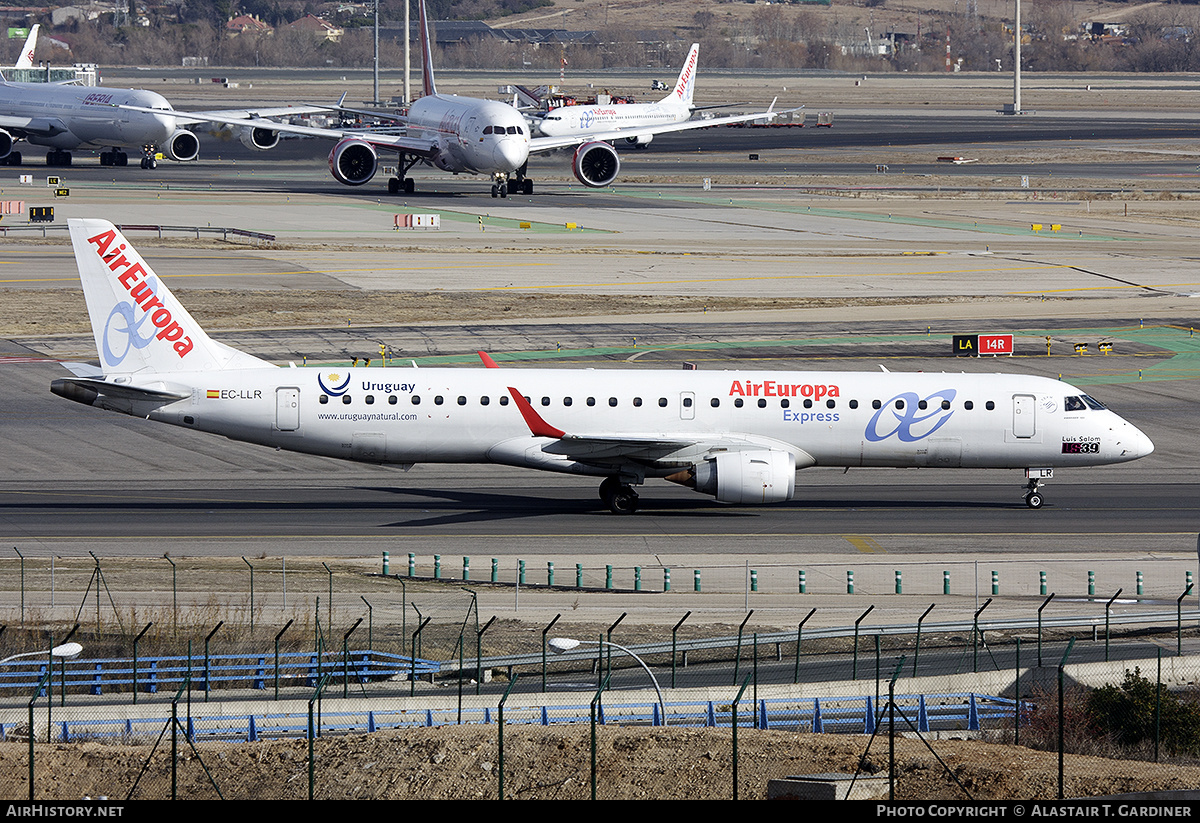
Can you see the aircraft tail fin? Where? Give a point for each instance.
(685, 86)
(25, 61)
(426, 55)
(140, 327)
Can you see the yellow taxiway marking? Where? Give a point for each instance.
(865, 545)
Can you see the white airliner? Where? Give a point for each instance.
(676, 107)
(25, 61)
(739, 436)
(468, 135)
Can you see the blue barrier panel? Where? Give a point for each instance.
(818, 723)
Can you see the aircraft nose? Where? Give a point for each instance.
(511, 154)
(1142, 443)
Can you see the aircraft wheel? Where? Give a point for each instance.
(105, 159)
(14, 159)
(495, 191)
(152, 163)
(608, 487)
(121, 159)
(1034, 500)
(625, 501)
(66, 158)
(393, 186)
(410, 185)
(504, 191)
(527, 187)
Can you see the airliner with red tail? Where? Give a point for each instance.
(738, 436)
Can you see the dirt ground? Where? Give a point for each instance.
(461, 762)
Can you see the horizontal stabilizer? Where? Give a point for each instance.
(85, 391)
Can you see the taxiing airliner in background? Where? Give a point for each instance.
(468, 135)
(635, 120)
(25, 61)
(739, 436)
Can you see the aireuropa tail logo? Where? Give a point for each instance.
(142, 286)
(903, 417)
(333, 384)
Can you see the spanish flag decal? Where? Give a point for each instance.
(214, 394)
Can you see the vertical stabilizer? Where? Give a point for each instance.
(25, 61)
(426, 54)
(139, 325)
(685, 86)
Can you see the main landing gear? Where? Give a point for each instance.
(58, 157)
(403, 182)
(618, 496)
(116, 157)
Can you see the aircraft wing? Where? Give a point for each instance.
(41, 126)
(247, 119)
(538, 145)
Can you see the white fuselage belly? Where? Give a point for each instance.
(457, 126)
(1027, 425)
(89, 115)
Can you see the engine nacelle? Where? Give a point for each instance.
(595, 164)
(258, 138)
(640, 140)
(6, 144)
(760, 476)
(353, 161)
(183, 145)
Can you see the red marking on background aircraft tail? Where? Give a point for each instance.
(537, 426)
(487, 360)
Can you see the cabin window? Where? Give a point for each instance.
(784, 404)
(483, 401)
(762, 404)
(921, 404)
(875, 404)
(392, 399)
(662, 402)
(416, 399)
(612, 401)
(438, 400)
(346, 399)
(945, 405)
(462, 400)
(637, 402)
(567, 401)
(829, 404)
(899, 404)
(504, 400)
(591, 401)
(990, 405)
(968, 404)
(545, 401)
(323, 399)
(715, 402)
(687, 402)
(807, 403)
(854, 404)
(738, 402)
(370, 400)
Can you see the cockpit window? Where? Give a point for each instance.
(1074, 404)
(487, 129)
(1093, 403)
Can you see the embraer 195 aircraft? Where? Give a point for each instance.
(466, 135)
(739, 436)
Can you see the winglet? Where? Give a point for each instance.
(342, 99)
(537, 426)
(487, 360)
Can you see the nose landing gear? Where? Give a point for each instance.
(1033, 496)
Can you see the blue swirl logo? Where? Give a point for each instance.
(123, 330)
(334, 388)
(910, 423)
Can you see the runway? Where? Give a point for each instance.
(940, 249)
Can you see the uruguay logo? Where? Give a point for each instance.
(910, 423)
(123, 330)
(333, 388)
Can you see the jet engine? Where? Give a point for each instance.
(745, 477)
(353, 161)
(640, 140)
(595, 164)
(6, 143)
(183, 145)
(256, 137)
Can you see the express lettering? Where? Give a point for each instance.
(772, 388)
(140, 285)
